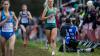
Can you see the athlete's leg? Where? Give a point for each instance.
(48, 41)
(27, 33)
(12, 44)
(23, 34)
(53, 40)
(48, 32)
(3, 46)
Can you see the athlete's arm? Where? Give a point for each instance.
(4, 21)
(19, 17)
(30, 16)
(15, 18)
(44, 17)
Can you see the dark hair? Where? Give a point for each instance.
(68, 21)
(24, 4)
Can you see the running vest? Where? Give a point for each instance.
(24, 17)
(51, 21)
(8, 26)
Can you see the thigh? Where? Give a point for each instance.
(48, 33)
(2, 41)
(28, 29)
(54, 33)
(23, 28)
(12, 41)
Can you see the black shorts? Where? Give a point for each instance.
(49, 28)
(25, 24)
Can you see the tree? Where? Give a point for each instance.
(35, 6)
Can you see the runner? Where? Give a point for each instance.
(50, 24)
(24, 19)
(8, 29)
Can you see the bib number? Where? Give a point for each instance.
(24, 20)
(8, 27)
(51, 20)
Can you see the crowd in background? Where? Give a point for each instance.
(87, 19)
(85, 16)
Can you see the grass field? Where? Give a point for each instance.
(36, 48)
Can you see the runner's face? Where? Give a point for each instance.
(6, 5)
(50, 3)
(24, 7)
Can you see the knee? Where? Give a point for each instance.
(3, 42)
(49, 41)
(52, 40)
(11, 47)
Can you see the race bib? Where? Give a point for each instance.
(24, 20)
(51, 20)
(8, 27)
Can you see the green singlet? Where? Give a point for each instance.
(50, 22)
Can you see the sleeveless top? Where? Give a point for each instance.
(8, 26)
(51, 22)
(24, 17)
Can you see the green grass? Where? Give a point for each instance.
(30, 50)
(41, 45)
(36, 48)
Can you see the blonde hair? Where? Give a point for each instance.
(46, 3)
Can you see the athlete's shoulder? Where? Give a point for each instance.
(28, 11)
(20, 12)
(12, 13)
(46, 8)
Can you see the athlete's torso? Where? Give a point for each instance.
(8, 26)
(51, 21)
(24, 17)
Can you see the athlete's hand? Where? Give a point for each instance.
(15, 28)
(50, 16)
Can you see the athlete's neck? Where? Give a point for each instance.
(50, 7)
(24, 10)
